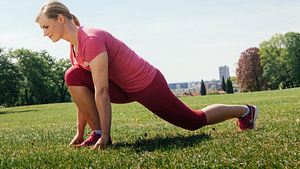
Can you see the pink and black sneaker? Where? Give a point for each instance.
(248, 122)
(91, 140)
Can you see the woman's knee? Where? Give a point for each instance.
(71, 74)
(194, 127)
(76, 76)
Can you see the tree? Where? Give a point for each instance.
(10, 81)
(29, 77)
(203, 88)
(223, 85)
(36, 68)
(59, 69)
(229, 87)
(292, 43)
(249, 71)
(277, 60)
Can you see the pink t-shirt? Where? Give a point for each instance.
(131, 72)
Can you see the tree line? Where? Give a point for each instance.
(274, 65)
(29, 77)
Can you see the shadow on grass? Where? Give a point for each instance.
(164, 143)
(21, 111)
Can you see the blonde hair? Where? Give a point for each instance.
(53, 8)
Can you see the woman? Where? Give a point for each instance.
(105, 70)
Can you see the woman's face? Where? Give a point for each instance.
(53, 28)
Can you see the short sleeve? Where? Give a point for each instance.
(93, 46)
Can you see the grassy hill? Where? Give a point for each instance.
(37, 137)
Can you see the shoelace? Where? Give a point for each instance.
(91, 137)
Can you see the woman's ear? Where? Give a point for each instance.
(61, 18)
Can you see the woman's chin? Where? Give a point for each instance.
(55, 40)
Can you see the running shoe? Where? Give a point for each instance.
(248, 122)
(91, 140)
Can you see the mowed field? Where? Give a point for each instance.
(37, 137)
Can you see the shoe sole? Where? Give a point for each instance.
(255, 116)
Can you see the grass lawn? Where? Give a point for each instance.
(37, 137)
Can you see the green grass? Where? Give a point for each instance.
(37, 137)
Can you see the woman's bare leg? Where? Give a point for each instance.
(85, 101)
(220, 112)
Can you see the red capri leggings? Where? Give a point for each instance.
(157, 97)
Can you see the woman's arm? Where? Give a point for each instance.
(99, 69)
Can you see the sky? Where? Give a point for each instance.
(186, 39)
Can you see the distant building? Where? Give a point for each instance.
(213, 85)
(224, 72)
(186, 88)
(193, 88)
(174, 86)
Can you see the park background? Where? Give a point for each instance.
(187, 41)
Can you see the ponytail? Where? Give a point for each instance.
(75, 20)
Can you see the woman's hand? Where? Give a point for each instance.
(102, 143)
(78, 139)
